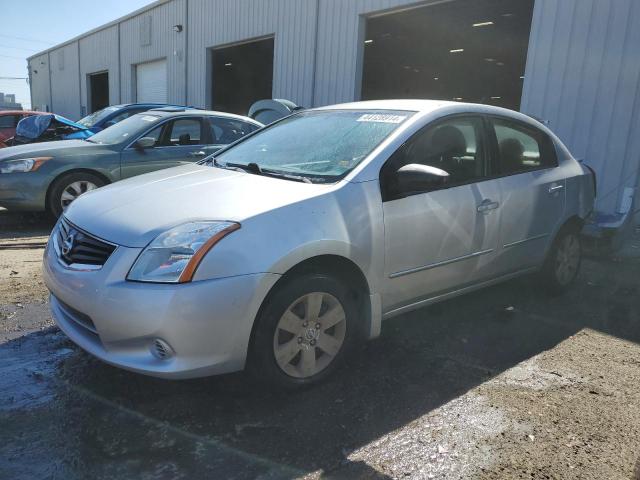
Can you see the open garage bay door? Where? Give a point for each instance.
(464, 50)
(151, 82)
(98, 91)
(242, 74)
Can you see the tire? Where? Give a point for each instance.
(69, 187)
(293, 357)
(563, 261)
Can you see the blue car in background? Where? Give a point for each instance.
(51, 127)
(109, 116)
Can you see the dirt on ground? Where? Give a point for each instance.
(502, 383)
(21, 287)
(20, 268)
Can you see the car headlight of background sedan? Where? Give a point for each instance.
(175, 254)
(22, 165)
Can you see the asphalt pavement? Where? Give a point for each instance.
(506, 382)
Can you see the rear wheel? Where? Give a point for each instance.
(563, 261)
(304, 332)
(68, 188)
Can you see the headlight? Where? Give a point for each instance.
(175, 254)
(22, 165)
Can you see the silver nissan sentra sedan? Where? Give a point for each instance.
(290, 246)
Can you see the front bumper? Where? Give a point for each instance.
(206, 323)
(23, 191)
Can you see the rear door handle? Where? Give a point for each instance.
(555, 188)
(487, 205)
(197, 154)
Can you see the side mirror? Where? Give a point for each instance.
(419, 178)
(145, 142)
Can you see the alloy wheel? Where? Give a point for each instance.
(309, 334)
(73, 191)
(567, 259)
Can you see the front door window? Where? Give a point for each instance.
(185, 131)
(454, 145)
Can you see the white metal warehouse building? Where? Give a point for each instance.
(573, 63)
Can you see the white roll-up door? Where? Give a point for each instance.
(151, 82)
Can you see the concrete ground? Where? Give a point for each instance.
(502, 383)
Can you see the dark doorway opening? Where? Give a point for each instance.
(242, 74)
(464, 50)
(98, 91)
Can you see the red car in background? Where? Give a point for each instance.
(8, 121)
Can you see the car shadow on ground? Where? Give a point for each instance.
(24, 225)
(103, 421)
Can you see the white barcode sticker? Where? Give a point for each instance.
(381, 118)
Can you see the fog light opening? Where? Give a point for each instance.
(161, 349)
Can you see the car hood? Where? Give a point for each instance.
(34, 126)
(48, 149)
(133, 212)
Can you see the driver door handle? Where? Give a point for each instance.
(555, 188)
(197, 154)
(487, 205)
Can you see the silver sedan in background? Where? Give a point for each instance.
(292, 245)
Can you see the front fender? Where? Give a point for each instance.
(346, 222)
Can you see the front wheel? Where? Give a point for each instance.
(304, 332)
(68, 188)
(563, 261)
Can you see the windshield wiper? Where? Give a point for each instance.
(256, 169)
(251, 167)
(286, 176)
(239, 167)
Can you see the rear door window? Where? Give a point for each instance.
(521, 148)
(226, 130)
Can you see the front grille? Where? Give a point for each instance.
(78, 247)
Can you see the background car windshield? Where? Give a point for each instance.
(95, 117)
(125, 130)
(322, 144)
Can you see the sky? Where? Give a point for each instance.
(30, 26)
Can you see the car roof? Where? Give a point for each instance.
(19, 112)
(148, 104)
(434, 106)
(407, 105)
(186, 111)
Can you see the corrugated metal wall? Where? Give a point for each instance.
(65, 77)
(39, 82)
(583, 69)
(583, 76)
(214, 23)
(165, 43)
(99, 52)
